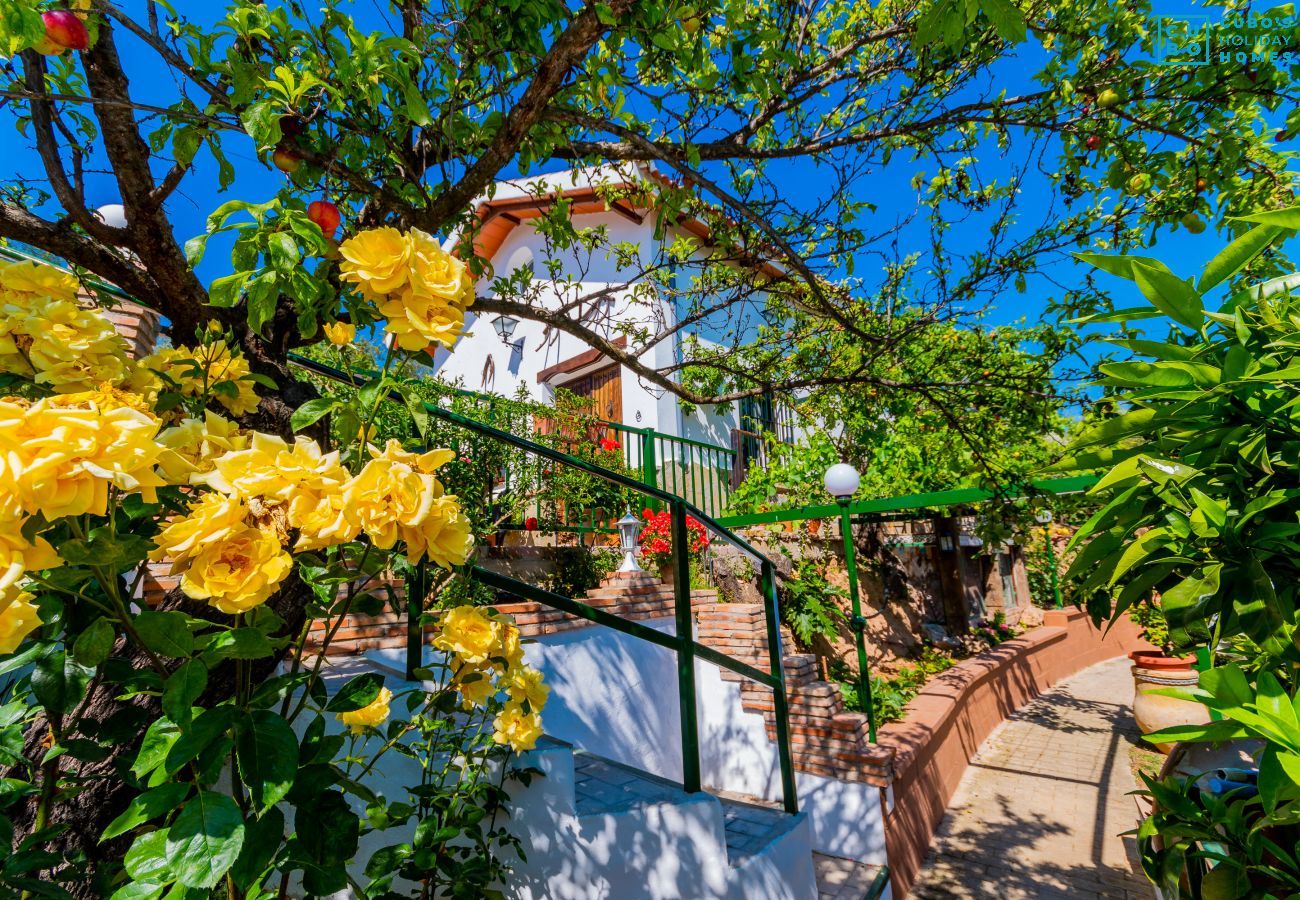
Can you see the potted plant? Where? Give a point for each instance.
(657, 541)
(1157, 668)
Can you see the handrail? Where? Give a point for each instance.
(956, 497)
(683, 643)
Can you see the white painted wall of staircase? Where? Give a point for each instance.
(616, 696)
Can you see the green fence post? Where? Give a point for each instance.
(776, 667)
(685, 650)
(649, 468)
(857, 623)
(417, 587)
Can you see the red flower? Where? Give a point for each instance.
(609, 444)
(530, 523)
(647, 513)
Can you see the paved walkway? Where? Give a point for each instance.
(1039, 811)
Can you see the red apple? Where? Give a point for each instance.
(326, 216)
(65, 30)
(291, 126)
(1093, 142)
(1201, 185)
(286, 159)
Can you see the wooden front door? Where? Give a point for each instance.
(605, 388)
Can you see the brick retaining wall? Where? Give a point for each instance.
(946, 723)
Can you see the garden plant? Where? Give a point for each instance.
(1198, 504)
(339, 154)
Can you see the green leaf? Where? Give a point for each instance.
(311, 412)
(263, 294)
(1169, 294)
(357, 693)
(241, 643)
(1008, 20)
(1116, 265)
(267, 751)
(263, 839)
(59, 682)
(206, 728)
(182, 689)
(1228, 685)
(157, 743)
(283, 251)
(224, 291)
(1234, 257)
(149, 805)
(1212, 732)
(165, 633)
(148, 861)
(416, 107)
(94, 644)
(1281, 218)
(205, 839)
(1272, 702)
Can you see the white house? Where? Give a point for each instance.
(541, 359)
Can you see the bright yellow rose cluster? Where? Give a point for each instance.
(230, 549)
(422, 290)
(46, 335)
(487, 658)
(194, 371)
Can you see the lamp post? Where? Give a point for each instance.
(628, 528)
(1044, 518)
(842, 483)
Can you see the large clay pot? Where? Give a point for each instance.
(1153, 670)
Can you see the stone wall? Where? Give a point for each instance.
(911, 573)
(946, 723)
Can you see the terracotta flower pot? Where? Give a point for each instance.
(1153, 670)
(814, 527)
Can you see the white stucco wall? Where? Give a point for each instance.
(616, 696)
(481, 361)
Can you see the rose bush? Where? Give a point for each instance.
(109, 465)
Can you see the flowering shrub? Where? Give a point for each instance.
(108, 465)
(657, 537)
(993, 631)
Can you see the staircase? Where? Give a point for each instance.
(825, 738)
(592, 828)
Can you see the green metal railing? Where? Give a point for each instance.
(682, 642)
(697, 471)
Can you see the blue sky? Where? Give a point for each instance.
(257, 181)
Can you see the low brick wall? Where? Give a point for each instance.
(957, 710)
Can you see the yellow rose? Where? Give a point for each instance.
(18, 618)
(194, 370)
(105, 396)
(60, 460)
(512, 649)
(370, 716)
(444, 535)
(376, 261)
(74, 349)
(517, 728)
(436, 273)
(340, 333)
(396, 497)
(210, 520)
(469, 633)
(195, 444)
(321, 517)
(416, 321)
(239, 572)
(525, 685)
(28, 280)
(474, 685)
(17, 556)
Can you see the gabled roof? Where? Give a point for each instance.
(514, 201)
